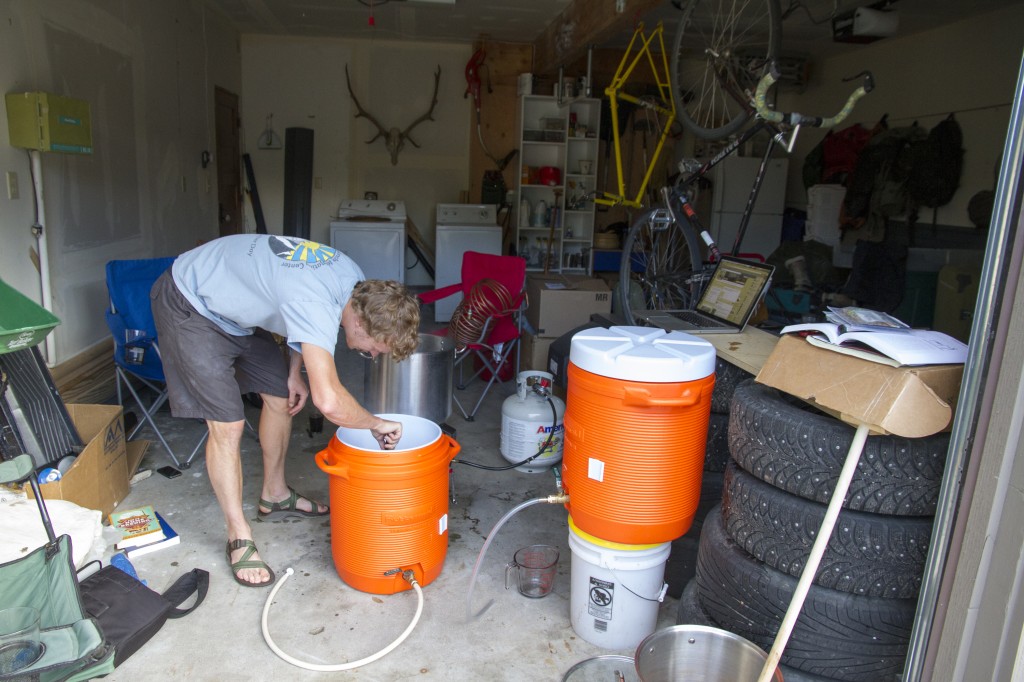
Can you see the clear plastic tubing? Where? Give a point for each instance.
(483, 550)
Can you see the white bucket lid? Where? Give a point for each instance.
(646, 354)
(417, 432)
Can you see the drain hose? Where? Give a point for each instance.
(550, 499)
(329, 667)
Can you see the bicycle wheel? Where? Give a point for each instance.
(720, 52)
(660, 261)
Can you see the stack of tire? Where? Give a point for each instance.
(786, 457)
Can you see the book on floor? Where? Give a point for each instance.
(170, 539)
(137, 526)
(895, 347)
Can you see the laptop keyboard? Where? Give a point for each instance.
(697, 319)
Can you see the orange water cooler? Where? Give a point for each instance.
(389, 508)
(636, 421)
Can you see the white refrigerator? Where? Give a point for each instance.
(733, 179)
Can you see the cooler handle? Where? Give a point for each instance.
(330, 469)
(453, 447)
(642, 397)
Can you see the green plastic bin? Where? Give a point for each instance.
(23, 322)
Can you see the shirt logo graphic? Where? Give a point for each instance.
(301, 250)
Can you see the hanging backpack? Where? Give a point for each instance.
(937, 164)
(878, 185)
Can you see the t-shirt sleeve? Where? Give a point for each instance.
(311, 322)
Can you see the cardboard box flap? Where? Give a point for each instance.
(913, 402)
(136, 451)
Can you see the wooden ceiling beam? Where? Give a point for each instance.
(585, 23)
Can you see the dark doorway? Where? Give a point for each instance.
(229, 173)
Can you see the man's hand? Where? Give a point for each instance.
(297, 393)
(387, 434)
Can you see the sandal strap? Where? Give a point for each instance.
(245, 562)
(287, 504)
(240, 543)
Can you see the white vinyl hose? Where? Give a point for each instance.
(817, 552)
(333, 667)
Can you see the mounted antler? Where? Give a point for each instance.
(394, 139)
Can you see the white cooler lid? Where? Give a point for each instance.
(646, 354)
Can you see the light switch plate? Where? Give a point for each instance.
(12, 185)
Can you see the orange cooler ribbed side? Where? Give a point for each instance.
(389, 508)
(635, 443)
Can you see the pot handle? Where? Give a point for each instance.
(330, 469)
(453, 447)
(642, 397)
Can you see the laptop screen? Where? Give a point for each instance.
(734, 290)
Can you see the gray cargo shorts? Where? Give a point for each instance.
(207, 370)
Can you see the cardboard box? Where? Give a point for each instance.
(560, 303)
(907, 401)
(534, 355)
(99, 477)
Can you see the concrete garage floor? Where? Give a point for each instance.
(317, 617)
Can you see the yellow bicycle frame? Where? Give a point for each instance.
(639, 47)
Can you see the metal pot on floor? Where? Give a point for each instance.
(420, 385)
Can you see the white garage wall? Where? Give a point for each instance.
(148, 71)
(302, 83)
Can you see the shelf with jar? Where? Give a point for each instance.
(558, 175)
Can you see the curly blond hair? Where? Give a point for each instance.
(390, 314)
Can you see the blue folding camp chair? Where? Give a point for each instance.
(136, 351)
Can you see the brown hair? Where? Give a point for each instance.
(390, 314)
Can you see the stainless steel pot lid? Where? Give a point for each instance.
(603, 669)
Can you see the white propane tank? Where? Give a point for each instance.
(526, 423)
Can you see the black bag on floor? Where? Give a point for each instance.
(129, 613)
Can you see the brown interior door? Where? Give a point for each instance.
(229, 174)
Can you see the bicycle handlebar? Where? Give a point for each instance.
(795, 119)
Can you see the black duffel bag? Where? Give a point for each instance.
(129, 613)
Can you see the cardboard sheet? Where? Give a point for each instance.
(907, 401)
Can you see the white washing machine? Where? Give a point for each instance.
(372, 233)
(461, 228)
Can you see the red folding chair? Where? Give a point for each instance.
(487, 323)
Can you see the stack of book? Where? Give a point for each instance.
(142, 531)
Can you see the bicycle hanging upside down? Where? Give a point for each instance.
(663, 265)
(663, 107)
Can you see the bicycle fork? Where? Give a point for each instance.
(692, 218)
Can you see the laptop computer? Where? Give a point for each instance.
(728, 301)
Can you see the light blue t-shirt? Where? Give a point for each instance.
(292, 287)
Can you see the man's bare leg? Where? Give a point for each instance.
(224, 465)
(275, 433)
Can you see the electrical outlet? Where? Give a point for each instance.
(12, 185)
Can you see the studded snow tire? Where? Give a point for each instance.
(793, 447)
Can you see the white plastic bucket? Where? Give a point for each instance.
(616, 589)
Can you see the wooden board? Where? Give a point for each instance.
(502, 65)
(748, 350)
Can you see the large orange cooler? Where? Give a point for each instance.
(636, 422)
(389, 508)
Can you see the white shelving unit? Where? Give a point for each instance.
(555, 219)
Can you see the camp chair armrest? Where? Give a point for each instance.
(436, 295)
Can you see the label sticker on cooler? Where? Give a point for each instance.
(442, 524)
(602, 594)
(595, 470)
